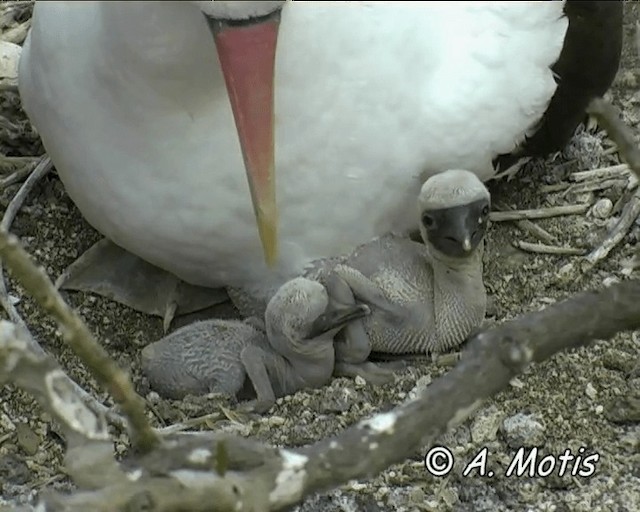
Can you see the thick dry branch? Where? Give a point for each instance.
(75, 332)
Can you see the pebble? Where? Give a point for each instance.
(417, 496)
(590, 391)
(360, 382)
(602, 209)
(28, 440)
(276, 420)
(486, 424)
(9, 58)
(421, 385)
(609, 281)
(523, 430)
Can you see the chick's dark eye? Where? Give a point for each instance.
(428, 221)
(485, 210)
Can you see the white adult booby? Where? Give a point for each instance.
(369, 99)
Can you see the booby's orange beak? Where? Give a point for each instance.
(247, 56)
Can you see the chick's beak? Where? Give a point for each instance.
(247, 57)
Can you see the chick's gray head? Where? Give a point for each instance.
(294, 308)
(454, 210)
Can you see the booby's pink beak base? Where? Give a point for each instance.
(247, 58)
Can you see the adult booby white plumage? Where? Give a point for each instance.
(370, 98)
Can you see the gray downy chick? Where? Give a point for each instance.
(230, 357)
(423, 298)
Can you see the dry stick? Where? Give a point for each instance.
(614, 171)
(25, 169)
(548, 249)
(36, 282)
(592, 186)
(527, 226)
(43, 166)
(541, 234)
(540, 213)
(556, 187)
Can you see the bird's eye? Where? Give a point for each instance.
(428, 221)
(485, 210)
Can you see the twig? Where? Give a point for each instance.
(529, 227)
(19, 166)
(16, 176)
(41, 169)
(79, 338)
(637, 34)
(540, 213)
(555, 187)
(190, 423)
(614, 171)
(541, 234)
(548, 249)
(592, 186)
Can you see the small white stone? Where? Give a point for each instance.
(590, 391)
(599, 409)
(9, 59)
(382, 423)
(609, 281)
(486, 424)
(357, 486)
(421, 385)
(276, 420)
(199, 456)
(516, 383)
(523, 430)
(602, 209)
(134, 475)
(360, 382)
(153, 397)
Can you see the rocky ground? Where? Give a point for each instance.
(582, 401)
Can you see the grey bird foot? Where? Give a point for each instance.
(374, 373)
(108, 270)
